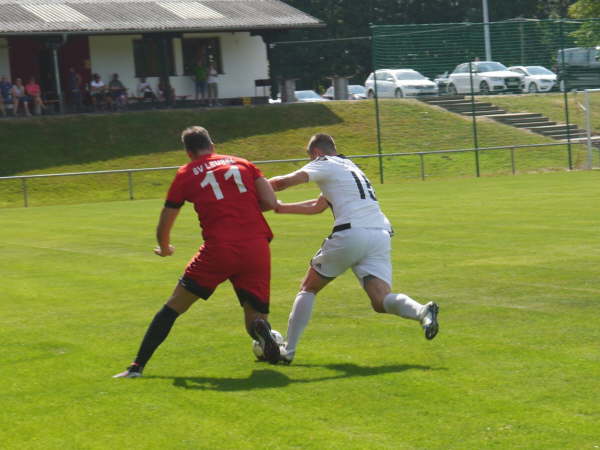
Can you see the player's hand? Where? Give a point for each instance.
(164, 252)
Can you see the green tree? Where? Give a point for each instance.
(589, 33)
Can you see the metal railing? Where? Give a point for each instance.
(420, 155)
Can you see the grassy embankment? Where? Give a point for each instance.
(151, 139)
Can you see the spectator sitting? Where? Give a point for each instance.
(34, 92)
(20, 97)
(5, 94)
(145, 91)
(97, 91)
(117, 91)
(166, 93)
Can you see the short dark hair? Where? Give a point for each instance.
(325, 143)
(196, 139)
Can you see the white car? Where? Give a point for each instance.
(537, 78)
(399, 83)
(309, 97)
(355, 92)
(488, 77)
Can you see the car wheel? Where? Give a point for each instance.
(371, 95)
(484, 88)
(398, 93)
(451, 89)
(533, 88)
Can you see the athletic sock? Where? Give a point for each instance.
(299, 318)
(155, 335)
(402, 305)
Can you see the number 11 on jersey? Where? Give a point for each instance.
(210, 180)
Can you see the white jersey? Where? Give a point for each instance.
(348, 192)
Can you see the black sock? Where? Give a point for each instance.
(156, 334)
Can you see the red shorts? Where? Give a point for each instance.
(247, 264)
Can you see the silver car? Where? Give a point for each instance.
(399, 83)
(486, 77)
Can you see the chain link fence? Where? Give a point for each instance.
(492, 76)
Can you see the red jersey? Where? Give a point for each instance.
(223, 192)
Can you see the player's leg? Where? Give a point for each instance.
(159, 329)
(337, 253)
(251, 282)
(202, 275)
(301, 311)
(374, 272)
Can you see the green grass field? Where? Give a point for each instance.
(512, 261)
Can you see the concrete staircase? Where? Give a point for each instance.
(530, 121)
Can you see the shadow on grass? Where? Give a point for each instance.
(269, 378)
(38, 143)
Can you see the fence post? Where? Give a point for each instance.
(422, 158)
(475, 137)
(377, 119)
(565, 92)
(25, 197)
(512, 160)
(130, 179)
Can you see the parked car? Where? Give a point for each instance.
(537, 78)
(309, 96)
(399, 83)
(355, 92)
(442, 81)
(579, 67)
(488, 77)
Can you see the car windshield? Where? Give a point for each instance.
(306, 94)
(356, 89)
(409, 76)
(490, 67)
(539, 70)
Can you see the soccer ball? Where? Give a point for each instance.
(257, 349)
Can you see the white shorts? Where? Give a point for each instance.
(365, 250)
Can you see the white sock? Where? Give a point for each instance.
(402, 305)
(299, 317)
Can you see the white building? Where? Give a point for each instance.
(141, 38)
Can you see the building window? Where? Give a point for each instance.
(203, 50)
(148, 57)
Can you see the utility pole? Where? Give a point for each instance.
(486, 31)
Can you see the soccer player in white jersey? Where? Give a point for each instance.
(360, 240)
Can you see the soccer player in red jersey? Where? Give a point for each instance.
(229, 195)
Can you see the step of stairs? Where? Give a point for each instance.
(577, 133)
(442, 98)
(484, 113)
(553, 127)
(469, 106)
(521, 120)
(573, 138)
(507, 116)
(530, 124)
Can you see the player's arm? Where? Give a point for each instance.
(266, 196)
(285, 181)
(163, 231)
(314, 206)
